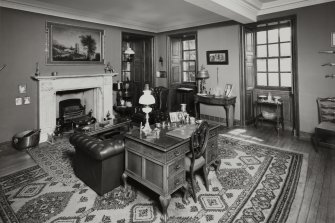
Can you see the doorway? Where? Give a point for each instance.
(137, 69)
(183, 60)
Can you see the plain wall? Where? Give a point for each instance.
(221, 38)
(22, 45)
(314, 27)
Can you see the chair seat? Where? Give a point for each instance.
(197, 164)
(328, 126)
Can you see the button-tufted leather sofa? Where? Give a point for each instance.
(98, 163)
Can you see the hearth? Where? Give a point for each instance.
(72, 114)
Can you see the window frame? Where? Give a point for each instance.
(185, 38)
(266, 26)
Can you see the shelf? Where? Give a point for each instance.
(328, 64)
(328, 51)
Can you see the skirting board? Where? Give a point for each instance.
(218, 119)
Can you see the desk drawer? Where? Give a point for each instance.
(176, 166)
(176, 181)
(213, 132)
(179, 151)
(146, 151)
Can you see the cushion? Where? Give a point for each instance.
(197, 164)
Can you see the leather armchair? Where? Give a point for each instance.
(159, 109)
(98, 163)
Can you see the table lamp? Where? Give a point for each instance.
(202, 75)
(147, 99)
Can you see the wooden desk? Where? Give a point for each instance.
(226, 102)
(159, 163)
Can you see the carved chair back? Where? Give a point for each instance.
(326, 109)
(161, 96)
(199, 139)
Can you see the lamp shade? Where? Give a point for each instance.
(203, 73)
(147, 98)
(129, 51)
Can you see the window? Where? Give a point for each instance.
(274, 55)
(189, 59)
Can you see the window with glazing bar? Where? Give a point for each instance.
(274, 55)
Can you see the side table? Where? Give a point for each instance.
(226, 102)
(275, 116)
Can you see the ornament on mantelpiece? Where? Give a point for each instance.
(109, 68)
(37, 70)
(108, 115)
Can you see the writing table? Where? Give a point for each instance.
(159, 163)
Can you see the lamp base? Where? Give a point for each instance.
(146, 129)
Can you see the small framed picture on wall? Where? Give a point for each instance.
(26, 100)
(22, 88)
(218, 57)
(332, 39)
(18, 101)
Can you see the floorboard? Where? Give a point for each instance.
(319, 196)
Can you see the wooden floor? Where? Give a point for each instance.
(319, 197)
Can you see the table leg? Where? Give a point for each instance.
(124, 179)
(165, 201)
(227, 108)
(185, 191)
(197, 109)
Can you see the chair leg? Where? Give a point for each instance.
(205, 169)
(193, 187)
(316, 141)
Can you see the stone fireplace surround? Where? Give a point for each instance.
(48, 86)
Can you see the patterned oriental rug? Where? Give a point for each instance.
(255, 183)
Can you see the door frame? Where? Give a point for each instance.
(295, 85)
(140, 36)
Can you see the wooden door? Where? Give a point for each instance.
(175, 73)
(141, 66)
(248, 76)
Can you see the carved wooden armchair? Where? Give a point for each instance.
(196, 158)
(326, 127)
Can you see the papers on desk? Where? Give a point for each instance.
(183, 132)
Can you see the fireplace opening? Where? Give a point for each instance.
(74, 109)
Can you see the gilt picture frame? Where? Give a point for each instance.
(217, 57)
(70, 44)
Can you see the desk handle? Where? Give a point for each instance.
(177, 182)
(176, 153)
(177, 167)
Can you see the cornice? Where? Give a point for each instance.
(54, 10)
(243, 11)
(283, 5)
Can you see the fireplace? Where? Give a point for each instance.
(101, 90)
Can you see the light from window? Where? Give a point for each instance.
(189, 53)
(273, 55)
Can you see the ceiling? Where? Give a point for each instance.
(158, 15)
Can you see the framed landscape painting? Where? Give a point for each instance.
(68, 44)
(217, 57)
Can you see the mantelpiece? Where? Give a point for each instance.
(48, 86)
